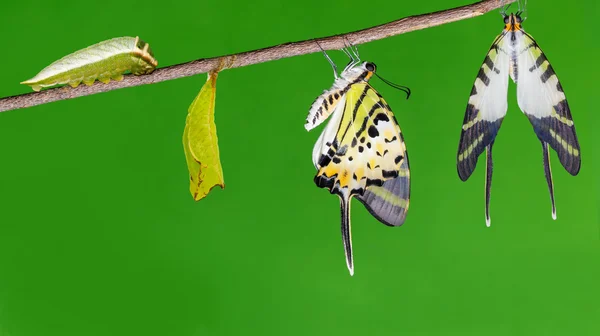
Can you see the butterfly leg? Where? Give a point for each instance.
(353, 50)
(346, 232)
(335, 72)
(352, 53)
(351, 63)
(548, 173)
(488, 182)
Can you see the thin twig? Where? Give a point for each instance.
(397, 27)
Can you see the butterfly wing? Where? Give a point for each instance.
(389, 202)
(362, 148)
(361, 145)
(541, 97)
(486, 108)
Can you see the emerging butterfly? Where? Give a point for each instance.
(539, 94)
(361, 151)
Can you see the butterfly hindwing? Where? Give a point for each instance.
(541, 97)
(389, 203)
(486, 108)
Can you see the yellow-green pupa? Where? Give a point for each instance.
(103, 61)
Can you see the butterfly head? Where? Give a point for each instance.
(359, 73)
(512, 22)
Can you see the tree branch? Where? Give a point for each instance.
(397, 27)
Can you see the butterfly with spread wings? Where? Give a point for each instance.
(539, 94)
(361, 151)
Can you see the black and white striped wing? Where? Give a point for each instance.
(542, 99)
(486, 108)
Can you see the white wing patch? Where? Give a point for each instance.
(541, 97)
(486, 108)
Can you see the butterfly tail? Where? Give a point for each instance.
(346, 232)
(548, 173)
(488, 182)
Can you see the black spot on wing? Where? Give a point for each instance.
(373, 132)
(391, 140)
(380, 117)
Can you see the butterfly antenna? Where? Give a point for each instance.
(335, 73)
(504, 9)
(406, 89)
(523, 10)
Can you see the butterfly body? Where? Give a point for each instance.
(361, 152)
(103, 61)
(540, 97)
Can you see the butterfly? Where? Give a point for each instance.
(540, 96)
(361, 151)
(103, 61)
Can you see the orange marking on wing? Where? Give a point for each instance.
(344, 179)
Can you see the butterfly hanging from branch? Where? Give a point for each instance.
(540, 96)
(361, 151)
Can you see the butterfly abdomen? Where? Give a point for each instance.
(103, 61)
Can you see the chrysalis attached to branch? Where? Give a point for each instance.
(200, 142)
(103, 61)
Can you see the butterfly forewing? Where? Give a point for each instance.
(366, 148)
(486, 108)
(541, 98)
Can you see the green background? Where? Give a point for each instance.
(100, 236)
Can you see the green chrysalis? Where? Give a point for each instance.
(103, 61)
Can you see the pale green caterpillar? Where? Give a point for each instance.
(103, 61)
